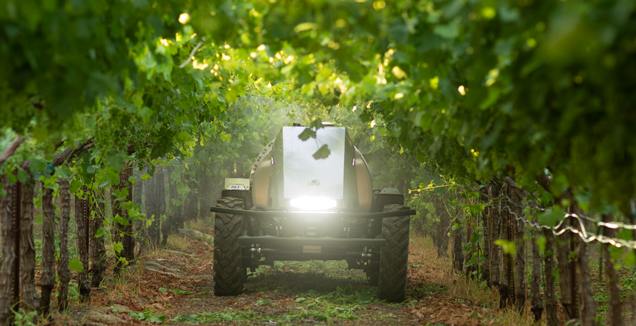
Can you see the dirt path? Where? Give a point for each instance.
(174, 286)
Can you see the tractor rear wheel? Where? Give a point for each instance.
(229, 274)
(394, 256)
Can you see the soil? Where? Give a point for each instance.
(174, 286)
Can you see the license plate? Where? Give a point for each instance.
(312, 249)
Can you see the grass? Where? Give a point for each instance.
(216, 317)
(442, 282)
(177, 243)
(478, 293)
(201, 224)
(324, 291)
(439, 275)
(127, 283)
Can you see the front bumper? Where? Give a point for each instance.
(268, 241)
(261, 214)
(273, 248)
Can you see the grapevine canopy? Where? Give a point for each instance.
(471, 88)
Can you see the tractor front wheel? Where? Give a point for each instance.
(394, 256)
(229, 273)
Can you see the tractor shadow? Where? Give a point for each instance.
(310, 277)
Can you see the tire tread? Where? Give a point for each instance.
(394, 256)
(228, 269)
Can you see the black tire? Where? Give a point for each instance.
(229, 274)
(394, 256)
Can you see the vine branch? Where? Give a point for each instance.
(69, 152)
(11, 149)
(196, 48)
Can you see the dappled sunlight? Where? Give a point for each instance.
(506, 127)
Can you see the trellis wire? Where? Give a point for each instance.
(587, 237)
(561, 227)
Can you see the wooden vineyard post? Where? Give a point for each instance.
(469, 231)
(572, 269)
(565, 275)
(550, 295)
(582, 285)
(138, 191)
(30, 298)
(160, 204)
(15, 272)
(124, 230)
(205, 193)
(174, 215)
(190, 209)
(510, 259)
(586, 304)
(495, 217)
(151, 211)
(485, 273)
(96, 241)
(519, 259)
(506, 292)
(129, 243)
(140, 225)
(81, 220)
(616, 318)
(535, 286)
(442, 229)
(181, 221)
(47, 280)
(600, 259)
(8, 216)
(63, 271)
(458, 253)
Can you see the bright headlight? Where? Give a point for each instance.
(309, 203)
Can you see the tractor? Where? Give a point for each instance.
(295, 207)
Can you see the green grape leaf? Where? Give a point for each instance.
(37, 164)
(75, 185)
(157, 318)
(322, 153)
(365, 117)
(550, 218)
(316, 124)
(630, 259)
(75, 265)
(541, 242)
(118, 247)
(507, 246)
(22, 176)
(306, 134)
(100, 233)
(116, 159)
(12, 178)
(63, 171)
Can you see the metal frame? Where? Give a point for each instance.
(287, 242)
(282, 214)
(264, 250)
